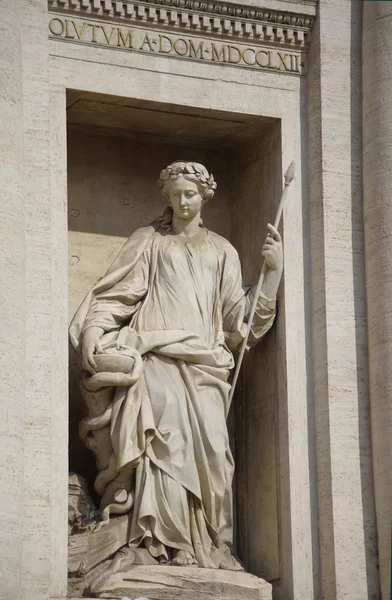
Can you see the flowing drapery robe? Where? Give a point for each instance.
(181, 304)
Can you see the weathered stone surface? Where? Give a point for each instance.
(87, 583)
(81, 509)
(87, 545)
(88, 549)
(339, 413)
(13, 299)
(185, 583)
(324, 505)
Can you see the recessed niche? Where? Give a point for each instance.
(116, 149)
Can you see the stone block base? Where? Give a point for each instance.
(184, 583)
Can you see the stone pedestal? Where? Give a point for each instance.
(184, 583)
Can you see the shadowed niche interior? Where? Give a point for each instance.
(116, 150)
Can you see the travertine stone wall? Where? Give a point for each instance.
(12, 302)
(347, 534)
(256, 188)
(377, 177)
(327, 529)
(44, 567)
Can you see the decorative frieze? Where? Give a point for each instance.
(222, 19)
(184, 46)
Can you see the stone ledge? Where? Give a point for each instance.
(184, 583)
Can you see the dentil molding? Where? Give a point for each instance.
(217, 18)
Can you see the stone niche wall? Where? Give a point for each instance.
(115, 154)
(257, 186)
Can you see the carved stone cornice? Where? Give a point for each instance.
(218, 18)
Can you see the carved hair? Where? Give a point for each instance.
(191, 171)
(165, 220)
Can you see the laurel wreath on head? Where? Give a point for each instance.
(191, 170)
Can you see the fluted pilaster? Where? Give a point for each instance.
(377, 179)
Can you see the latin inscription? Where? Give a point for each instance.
(186, 47)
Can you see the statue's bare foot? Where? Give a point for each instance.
(183, 559)
(230, 563)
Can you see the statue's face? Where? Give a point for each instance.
(185, 198)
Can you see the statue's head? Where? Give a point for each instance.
(190, 171)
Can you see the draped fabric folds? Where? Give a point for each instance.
(181, 304)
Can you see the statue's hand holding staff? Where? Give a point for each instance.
(273, 249)
(271, 270)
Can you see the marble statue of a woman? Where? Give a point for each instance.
(156, 337)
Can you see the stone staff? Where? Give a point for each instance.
(288, 178)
